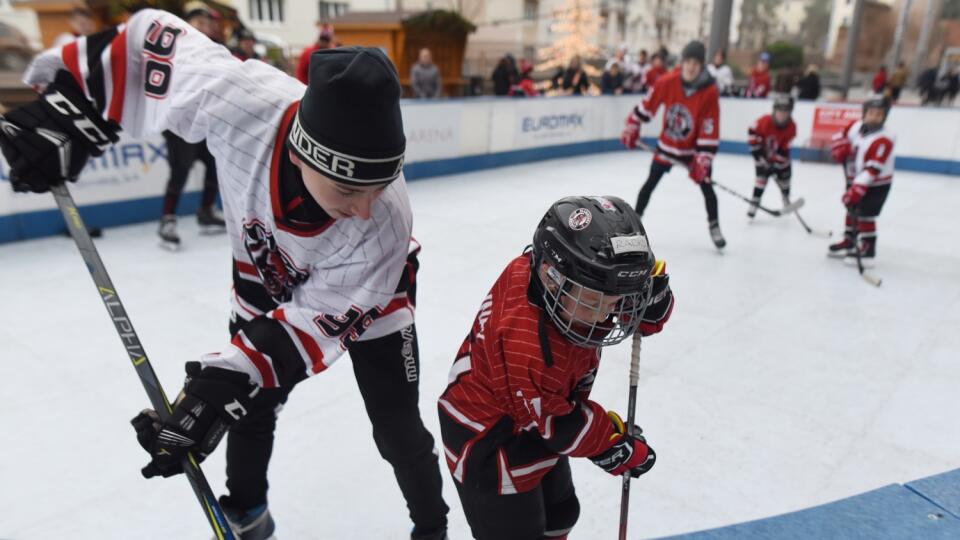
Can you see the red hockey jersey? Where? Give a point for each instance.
(769, 140)
(759, 84)
(691, 120)
(518, 392)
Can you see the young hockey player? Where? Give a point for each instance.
(518, 402)
(865, 149)
(769, 138)
(319, 221)
(691, 130)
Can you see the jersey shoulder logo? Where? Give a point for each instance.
(278, 273)
(678, 122)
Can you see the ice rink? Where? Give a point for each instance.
(782, 381)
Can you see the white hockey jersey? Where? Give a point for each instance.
(873, 158)
(332, 283)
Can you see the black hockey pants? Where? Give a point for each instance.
(387, 372)
(549, 511)
(657, 170)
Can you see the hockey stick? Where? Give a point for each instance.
(792, 207)
(631, 417)
(867, 276)
(111, 300)
(810, 230)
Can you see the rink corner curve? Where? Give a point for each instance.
(928, 509)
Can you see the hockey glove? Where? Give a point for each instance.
(211, 401)
(779, 160)
(700, 167)
(660, 305)
(49, 140)
(627, 452)
(854, 194)
(840, 149)
(631, 130)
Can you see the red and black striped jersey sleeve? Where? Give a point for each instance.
(708, 121)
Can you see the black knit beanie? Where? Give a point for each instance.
(695, 50)
(348, 126)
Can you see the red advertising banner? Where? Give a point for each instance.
(828, 120)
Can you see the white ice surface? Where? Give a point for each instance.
(782, 381)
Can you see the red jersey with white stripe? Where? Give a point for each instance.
(873, 157)
(518, 392)
(768, 138)
(329, 282)
(691, 118)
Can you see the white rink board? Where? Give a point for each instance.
(782, 381)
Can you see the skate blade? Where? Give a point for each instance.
(169, 246)
(838, 255)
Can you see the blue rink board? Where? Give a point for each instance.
(925, 509)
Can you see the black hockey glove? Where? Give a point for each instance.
(660, 305)
(211, 401)
(627, 453)
(50, 140)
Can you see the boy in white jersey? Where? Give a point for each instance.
(865, 149)
(319, 221)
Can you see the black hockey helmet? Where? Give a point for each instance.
(877, 101)
(594, 248)
(782, 103)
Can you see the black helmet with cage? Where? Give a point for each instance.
(782, 103)
(877, 101)
(597, 262)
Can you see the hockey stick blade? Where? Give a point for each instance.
(810, 230)
(136, 353)
(871, 279)
(776, 213)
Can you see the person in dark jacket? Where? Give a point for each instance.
(612, 81)
(575, 80)
(505, 75)
(809, 85)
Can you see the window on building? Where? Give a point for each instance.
(332, 10)
(530, 8)
(266, 10)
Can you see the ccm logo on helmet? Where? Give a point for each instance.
(630, 273)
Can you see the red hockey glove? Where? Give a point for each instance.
(840, 149)
(626, 452)
(700, 167)
(854, 194)
(778, 159)
(660, 305)
(631, 130)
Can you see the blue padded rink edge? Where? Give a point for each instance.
(925, 509)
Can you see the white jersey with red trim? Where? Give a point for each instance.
(333, 284)
(873, 157)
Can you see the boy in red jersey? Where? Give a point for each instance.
(691, 130)
(769, 138)
(517, 405)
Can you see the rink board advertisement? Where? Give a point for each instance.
(447, 137)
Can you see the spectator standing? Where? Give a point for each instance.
(635, 80)
(575, 80)
(809, 85)
(245, 43)
(898, 79)
(81, 24)
(181, 156)
(950, 82)
(425, 77)
(525, 87)
(505, 75)
(759, 85)
(611, 83)
(324, 41)
(927, 85)
(721, 73)
(619, 57)
(879, 80)
(656, 70)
